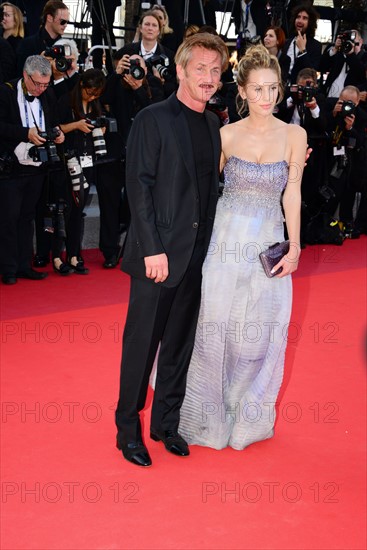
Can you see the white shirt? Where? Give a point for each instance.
(145, 53)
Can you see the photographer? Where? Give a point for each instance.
(127, 92)
(28, 134)
(345, 63)
(158, 58)
(92, 157)
(63, 56)
(347, 126)
(306, 106)
(55, 18)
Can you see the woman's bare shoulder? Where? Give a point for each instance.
(295, 132)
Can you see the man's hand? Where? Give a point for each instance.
(123, 64)
(311, 104)
(349, 121)
(34, 137)
(156, 267)
(301, 41)
(60, 138)
(337, 45)
(308, 153)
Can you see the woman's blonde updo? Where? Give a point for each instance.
(256, 57)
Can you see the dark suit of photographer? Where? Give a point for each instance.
(305, 106)
(347, 149)
(343, 69)
(123, 98)
(256, 10)
(26, 107)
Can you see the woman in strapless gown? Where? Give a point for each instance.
(237, 364)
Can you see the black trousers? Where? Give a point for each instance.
(158, 314)
(18, 199)
(110, 180)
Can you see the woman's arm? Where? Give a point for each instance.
(297, 138)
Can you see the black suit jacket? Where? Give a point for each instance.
(258, 14)
(135, 48)
(333, 64)
(311, 59)
(33, 45)
(315, 127)
(162, 189)
(12, 131)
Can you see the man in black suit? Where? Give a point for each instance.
(345, 63)
(26, 109)
(303, 50)
(55, 18)
(172, 183)
(250, 17)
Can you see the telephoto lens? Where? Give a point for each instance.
(99, 142)
(76, 174)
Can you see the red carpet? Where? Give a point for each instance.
(65, 486)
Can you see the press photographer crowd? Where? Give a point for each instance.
(64, 127)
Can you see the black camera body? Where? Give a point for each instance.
(135, 70)
(47, 152)
(348, 108)
(104, 122)
(348, 41)
(161, 63)
(58, 53)
(302, 94)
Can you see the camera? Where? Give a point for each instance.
(47, 152)
(161, 63)
(55, 218)
(58, 53)
(302, 93)
(104, 122)
(348, 108)
(136, 70)
(348, 41)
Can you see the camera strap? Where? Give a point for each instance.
(337, 134)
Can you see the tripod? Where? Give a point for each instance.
(186, 13)
(103, 13)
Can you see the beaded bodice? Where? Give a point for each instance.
(254, 188)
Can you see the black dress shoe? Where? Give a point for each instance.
(173, 442)
(31, 274)
(9, 279)
(40, 261)
(79, 267)
(135, 452)
(110, 262)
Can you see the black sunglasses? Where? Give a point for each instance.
(64, 22)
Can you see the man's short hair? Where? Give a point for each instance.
(37, 63)
(351, 89)
(50, 8)
(202, 40)
(308, 73)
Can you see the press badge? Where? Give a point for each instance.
(86, 161)
(337, 151)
